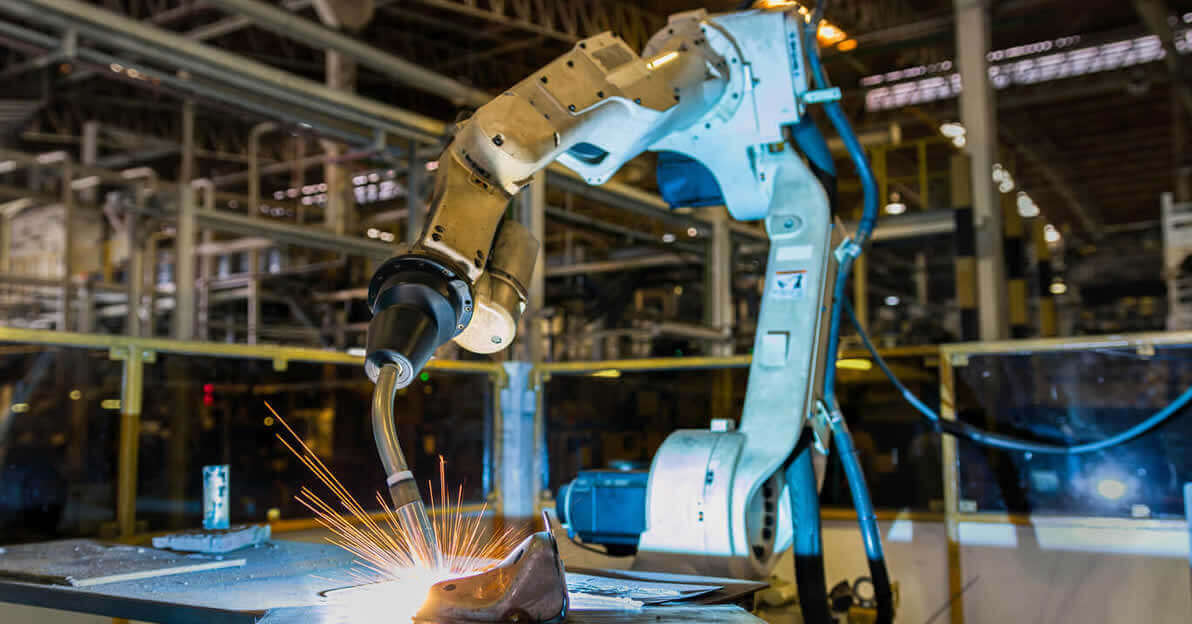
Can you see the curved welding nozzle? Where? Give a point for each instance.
(403, 489)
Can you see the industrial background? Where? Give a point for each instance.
(195, 193)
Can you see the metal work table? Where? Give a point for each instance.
(280, 583)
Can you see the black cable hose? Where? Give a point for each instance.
(1010, 443)
(808, 539)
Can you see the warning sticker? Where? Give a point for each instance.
(789, 284)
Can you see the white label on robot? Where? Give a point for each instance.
(794, 252)
(789, 284)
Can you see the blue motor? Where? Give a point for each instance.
(606, 507)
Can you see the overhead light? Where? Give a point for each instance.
(952, 129)
(895, 208)
(1058, 288)
(432, 165)
(610, 373)
(829, 34)
(892, 300)
(1111, 489)
(1027, 208)
(668, 238)
(1050, 234)
(692, 232)
(1001, 175)
(848, 45)
(373, 233)
(959, 141)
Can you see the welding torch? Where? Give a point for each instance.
(403, 489)
(462, 280)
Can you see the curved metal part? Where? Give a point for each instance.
(407, 501)
(529, 586)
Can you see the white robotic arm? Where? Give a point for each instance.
(718, 90)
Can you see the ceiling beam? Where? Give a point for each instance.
(1154, 14)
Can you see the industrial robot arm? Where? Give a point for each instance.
(718, 90)
(592, 109)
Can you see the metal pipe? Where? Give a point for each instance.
(403, 489)
(152, 42)
(606, 266)
(130, 431)
(68, 219)
(254, 166)
(206, 263)
(184, 245)
(300, 29)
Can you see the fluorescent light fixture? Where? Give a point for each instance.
(1050, 234)
(892, 300)
(668, 238)
(1033, 63)
(952, 129)
(895, 208)
(1058, 288)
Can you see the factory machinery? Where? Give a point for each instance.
(724, 99)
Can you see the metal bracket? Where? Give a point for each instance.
(821, 426)
(121, 353)
(847, 250)
(822, 96)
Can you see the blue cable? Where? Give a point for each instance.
(1009, 443)
(866, 516)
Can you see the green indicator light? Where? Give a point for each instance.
(425, 376)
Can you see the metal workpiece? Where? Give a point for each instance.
(403, 490)
(527, 587)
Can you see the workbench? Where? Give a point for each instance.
(281, 582)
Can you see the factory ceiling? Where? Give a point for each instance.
(1094, 149)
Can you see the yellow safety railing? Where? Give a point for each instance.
(135, 352)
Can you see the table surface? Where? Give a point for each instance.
(280, 583)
